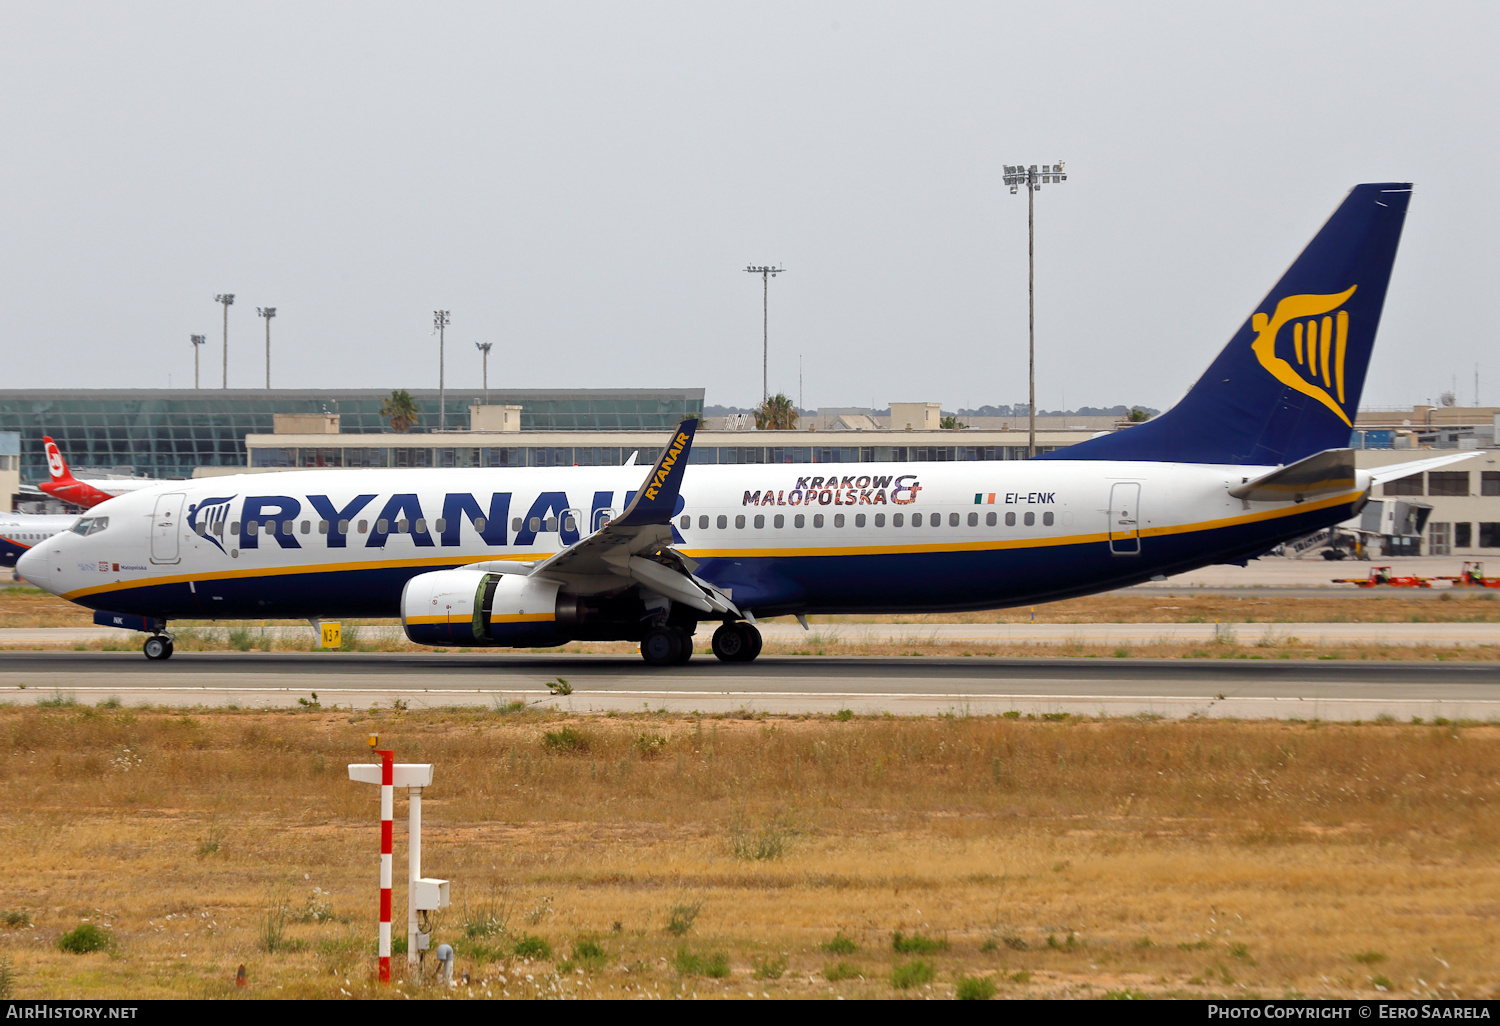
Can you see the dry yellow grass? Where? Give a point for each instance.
(1060, 858)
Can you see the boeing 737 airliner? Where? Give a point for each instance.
(1256, 453)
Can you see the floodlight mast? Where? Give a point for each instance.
(766, 274)
(440, 322)
(267, 312)
(484, 350)
(197, 341)
(226, 298)
(1033, 179)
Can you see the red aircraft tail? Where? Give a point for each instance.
(64, 485)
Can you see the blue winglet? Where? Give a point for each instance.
(657, 499)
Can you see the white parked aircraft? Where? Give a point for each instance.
(22, 531)
(1255, 454)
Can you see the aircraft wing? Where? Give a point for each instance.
(637, 545)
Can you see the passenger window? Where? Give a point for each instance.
(252, 526)
(515, 523)
(703, 523)
(569, 524)
(551, 523)
(916, 519)
(536, 524)
(420, 527)
(1046, 519)
(838, 520)
(344, 527)
(859, 520)
(779, 522)
(382, 527)
(760, 521)
(896, 519)
(879, 519)
(364, 526)
(989, 520)
(290, 527)
(234, 528)
(723, 522)
(799, 521)
(323, 527)
(952, 519)
(817, 520)
(739, 522)
(440, 525)
(402, 526)
(973, 519)
(200, 529)
(1030, 519)
(480, 523)
(685, 523)
(307, 527)
(1010, 520)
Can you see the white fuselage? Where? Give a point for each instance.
(780, 537)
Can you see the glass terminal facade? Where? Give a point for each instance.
(170, 432)
(704, 451)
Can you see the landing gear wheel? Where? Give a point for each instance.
(729, 644)
(752, 637)
(662, 646)
(685, 639)
(158, 647)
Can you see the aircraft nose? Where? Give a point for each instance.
(33, 566)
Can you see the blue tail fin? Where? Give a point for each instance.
(1288, 383)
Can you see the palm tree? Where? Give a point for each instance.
(402, 410)
(776, 414)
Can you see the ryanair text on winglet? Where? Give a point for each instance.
(668, 462)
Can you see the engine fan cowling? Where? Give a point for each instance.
(471, 607)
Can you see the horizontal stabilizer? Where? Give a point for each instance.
(1400, 470)
(1331, 470)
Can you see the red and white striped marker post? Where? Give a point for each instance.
(423, 894)
(387, 829)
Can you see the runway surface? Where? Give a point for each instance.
(1022, 633)
(1172, 688)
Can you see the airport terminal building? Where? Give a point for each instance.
(172, 432)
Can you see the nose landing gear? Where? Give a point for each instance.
(158, 646)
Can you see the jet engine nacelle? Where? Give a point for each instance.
(472, 607)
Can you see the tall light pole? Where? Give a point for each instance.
(197, 341)
(484, 350)
(227, 298)
(267, 312)
(1017, 176)
(439, 323)
(766, 274)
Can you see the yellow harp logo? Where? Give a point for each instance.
(1320, 335)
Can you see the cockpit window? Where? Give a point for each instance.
(90, 525)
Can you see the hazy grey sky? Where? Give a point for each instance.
(582, 184)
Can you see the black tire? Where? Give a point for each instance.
(753, 638)
(170, 649)
(685, 652)
(730, 643)
(662, 646)
(157, 647)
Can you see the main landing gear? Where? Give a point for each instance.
(158, 646)
(670, 645)
(666, 646)
(736, 642)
